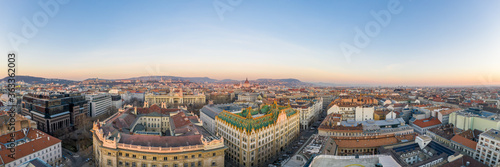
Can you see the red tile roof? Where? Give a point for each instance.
(36, 144)
(427, 122)
(157, 109)
(464, 141)
(180, 120)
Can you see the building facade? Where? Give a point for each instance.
(473, 118)
(364, 113)
(116, 100)
(176, 98)
(30, 144)
(256, 136)
(54, 111)
(99, 104)
(309, 110)
(153, 137)
(488, 148)
(364, 137)
(348, 107)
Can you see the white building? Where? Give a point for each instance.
(309, 110)
(116, 100)
(353, 112)
(347, 110)
(250, 97)
(99, 104)
(31, 144)
(488, 148)
(364, 113)
(391, 115)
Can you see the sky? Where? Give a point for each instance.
(427, 42)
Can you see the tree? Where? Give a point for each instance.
(85, 123)
(111, 110)
(134, 101)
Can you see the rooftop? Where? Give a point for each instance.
(380, 123)
(186, 132)
(493, 133)
(464, 141)
(365, 160)
(427, 122)
(445, 131)
(371, 142)
(246, 121)
(464, 159)
(28, 141)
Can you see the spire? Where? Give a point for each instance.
(249, 114)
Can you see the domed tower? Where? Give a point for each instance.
(246, 84)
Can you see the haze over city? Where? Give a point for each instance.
(428, 43)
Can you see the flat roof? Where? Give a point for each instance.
(367, 161)
(387, 122)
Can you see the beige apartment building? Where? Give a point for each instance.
(144, 138)
(255, 136)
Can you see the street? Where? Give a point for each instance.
(74, 159)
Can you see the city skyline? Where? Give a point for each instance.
(301, 40)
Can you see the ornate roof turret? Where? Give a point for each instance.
(249, 114)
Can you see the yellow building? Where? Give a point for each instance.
(176, 98)
(132, 139)
(255, 136)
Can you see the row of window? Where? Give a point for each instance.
(133, 164)
(155, 158)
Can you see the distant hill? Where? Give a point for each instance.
(289, 80)
(39, 80)
(228, 81)
(174, 78)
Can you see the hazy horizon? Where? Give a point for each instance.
(429, 43)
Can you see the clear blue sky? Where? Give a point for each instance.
(428, 43)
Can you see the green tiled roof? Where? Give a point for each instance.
(244, 121)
